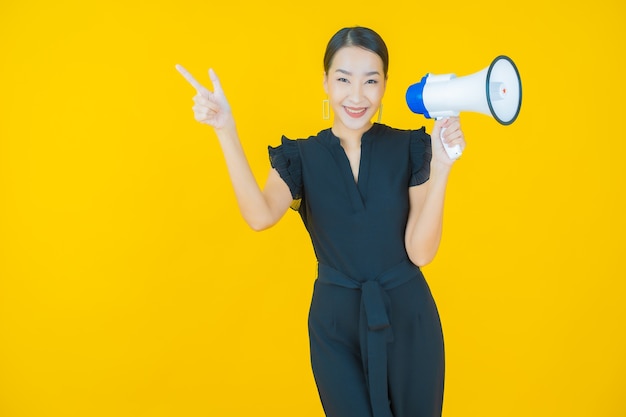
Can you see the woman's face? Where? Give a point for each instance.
(355, 84)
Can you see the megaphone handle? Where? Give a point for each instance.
(454, 152)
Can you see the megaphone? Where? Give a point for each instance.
(495, 91)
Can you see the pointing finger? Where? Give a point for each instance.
(199, 87)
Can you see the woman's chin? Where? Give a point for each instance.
(356, 123)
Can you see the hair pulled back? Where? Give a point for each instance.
(357, 36)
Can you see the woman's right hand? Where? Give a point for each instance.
(210, 108)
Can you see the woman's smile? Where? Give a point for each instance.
(355, 112)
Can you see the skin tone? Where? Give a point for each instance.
(355, 84)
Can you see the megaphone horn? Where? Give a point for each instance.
(495, 91)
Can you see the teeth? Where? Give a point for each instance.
(354, 111)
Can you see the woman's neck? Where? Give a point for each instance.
(349, 138)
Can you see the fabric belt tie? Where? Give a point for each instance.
(375, 327)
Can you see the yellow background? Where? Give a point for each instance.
(130, 286)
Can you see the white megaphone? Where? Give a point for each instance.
(495, 91)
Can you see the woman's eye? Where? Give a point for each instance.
(372, 82)
(342, 80)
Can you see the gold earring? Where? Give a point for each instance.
(325, 109)
(380, 113)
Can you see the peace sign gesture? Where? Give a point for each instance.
(210, 108)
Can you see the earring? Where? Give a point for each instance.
(325, 109)
(380, 113)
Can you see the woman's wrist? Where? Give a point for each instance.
(439, 170)
(227, 134)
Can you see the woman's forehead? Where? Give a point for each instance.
(357, 59)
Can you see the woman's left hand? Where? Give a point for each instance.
(452, 136)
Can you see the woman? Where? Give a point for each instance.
(372, 200)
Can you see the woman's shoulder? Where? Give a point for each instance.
(393, 137)
(322, 139)
(320, 136)
(383, 130)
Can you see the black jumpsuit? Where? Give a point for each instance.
(375, 336)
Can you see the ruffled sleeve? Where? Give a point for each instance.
(420, 152)
(285, 158)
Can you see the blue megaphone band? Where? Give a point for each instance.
(415, 97)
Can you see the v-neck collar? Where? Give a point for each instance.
(357, 190)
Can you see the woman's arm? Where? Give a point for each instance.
(261, 209)
(425, 222)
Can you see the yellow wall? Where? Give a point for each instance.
(129, 285)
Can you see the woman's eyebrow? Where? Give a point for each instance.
(368, 74)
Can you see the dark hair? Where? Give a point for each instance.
(356, 36)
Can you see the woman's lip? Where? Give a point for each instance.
(355, 112)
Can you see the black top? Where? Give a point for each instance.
(358, 227)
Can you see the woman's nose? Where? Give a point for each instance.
(356, 93)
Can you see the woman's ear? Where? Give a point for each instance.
(325, 82)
